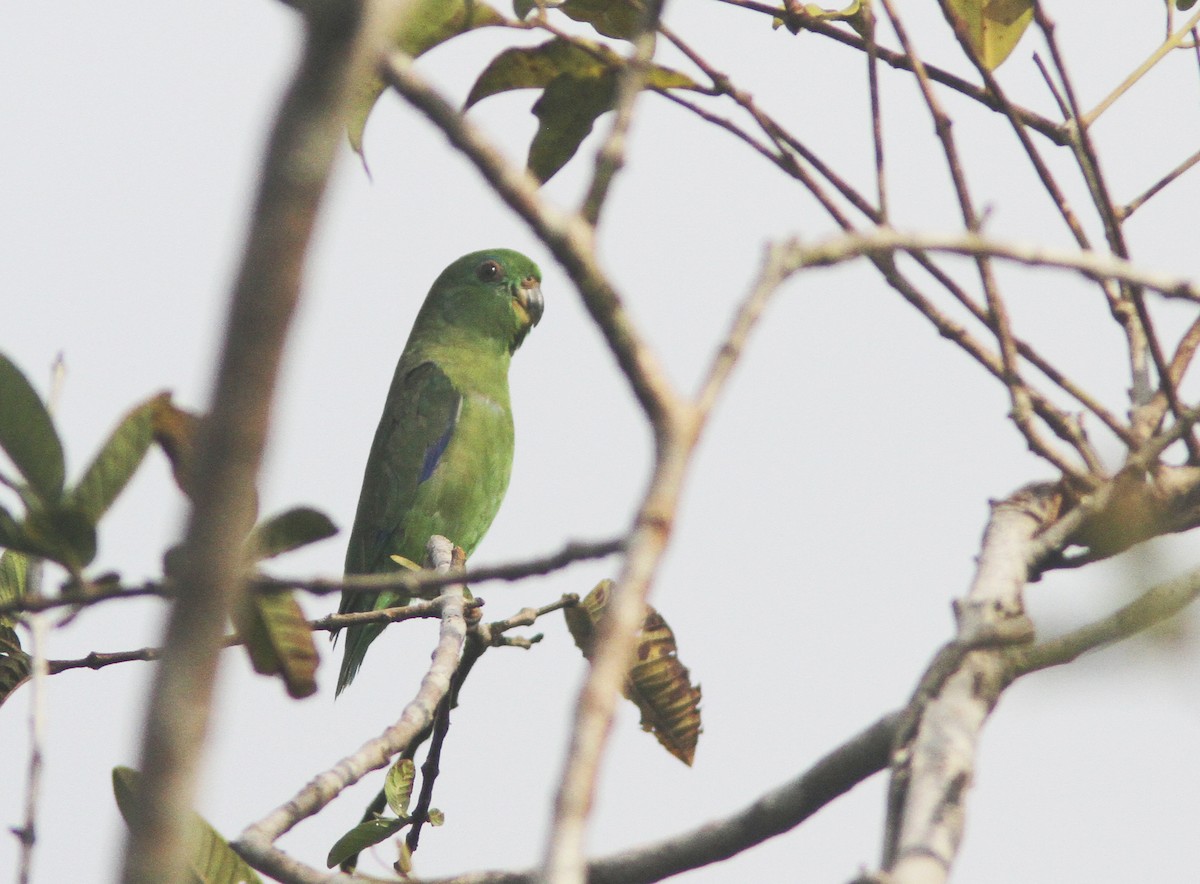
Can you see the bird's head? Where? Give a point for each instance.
(495, 293)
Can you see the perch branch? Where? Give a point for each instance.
(257, 843)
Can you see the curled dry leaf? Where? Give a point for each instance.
(658, 683)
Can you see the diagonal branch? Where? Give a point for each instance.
(257, 843)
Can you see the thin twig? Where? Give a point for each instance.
(1152, 607)
(876, 111)
(782, 139)
(899, 61)
(997, 316)
(1123, 212)
(1172, 41)
(1139, 327)
(35, 572)
(418, 583)
(631, 79)
(429, 772)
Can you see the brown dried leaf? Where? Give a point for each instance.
(658, 684)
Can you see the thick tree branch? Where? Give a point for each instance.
(302, 146)
(936, 757)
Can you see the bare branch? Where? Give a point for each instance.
(1152, 607)
(935, 767)
(1172, 42)
(899, 61)
(773, 813)
(997, 313)
(418, 583)
(302, 147)
(1093, 265)
(630, 82)
(1133, 205)
(257, 843)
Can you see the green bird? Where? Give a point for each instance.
(443, 451)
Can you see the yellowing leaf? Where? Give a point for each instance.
(397, 788)
(661, 687)
(13, 567)
(175, 431)
(993, 27)
(658, 684)
(279, 640)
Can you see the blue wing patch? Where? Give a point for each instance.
(434, 453)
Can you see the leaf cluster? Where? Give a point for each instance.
(59, 523)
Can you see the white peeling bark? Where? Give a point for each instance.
(937, 767)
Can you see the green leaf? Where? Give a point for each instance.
(566, 112)
(279, 640)
(175, 431)
(14, 663)
(1184, 5)
(117, 460)
(13, 568)
(27, 434)
(579, 82)
(398, 786)
(993, 27)
(618, 19)
(288, 531)
(63, 534)
(425, 24)
(212, 860)
(537, 66)
(362, 836)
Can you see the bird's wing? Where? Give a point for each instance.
(418, 422)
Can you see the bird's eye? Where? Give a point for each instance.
(489, 271)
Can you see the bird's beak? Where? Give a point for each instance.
(529, 298)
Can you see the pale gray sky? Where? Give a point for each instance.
(835, 506)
